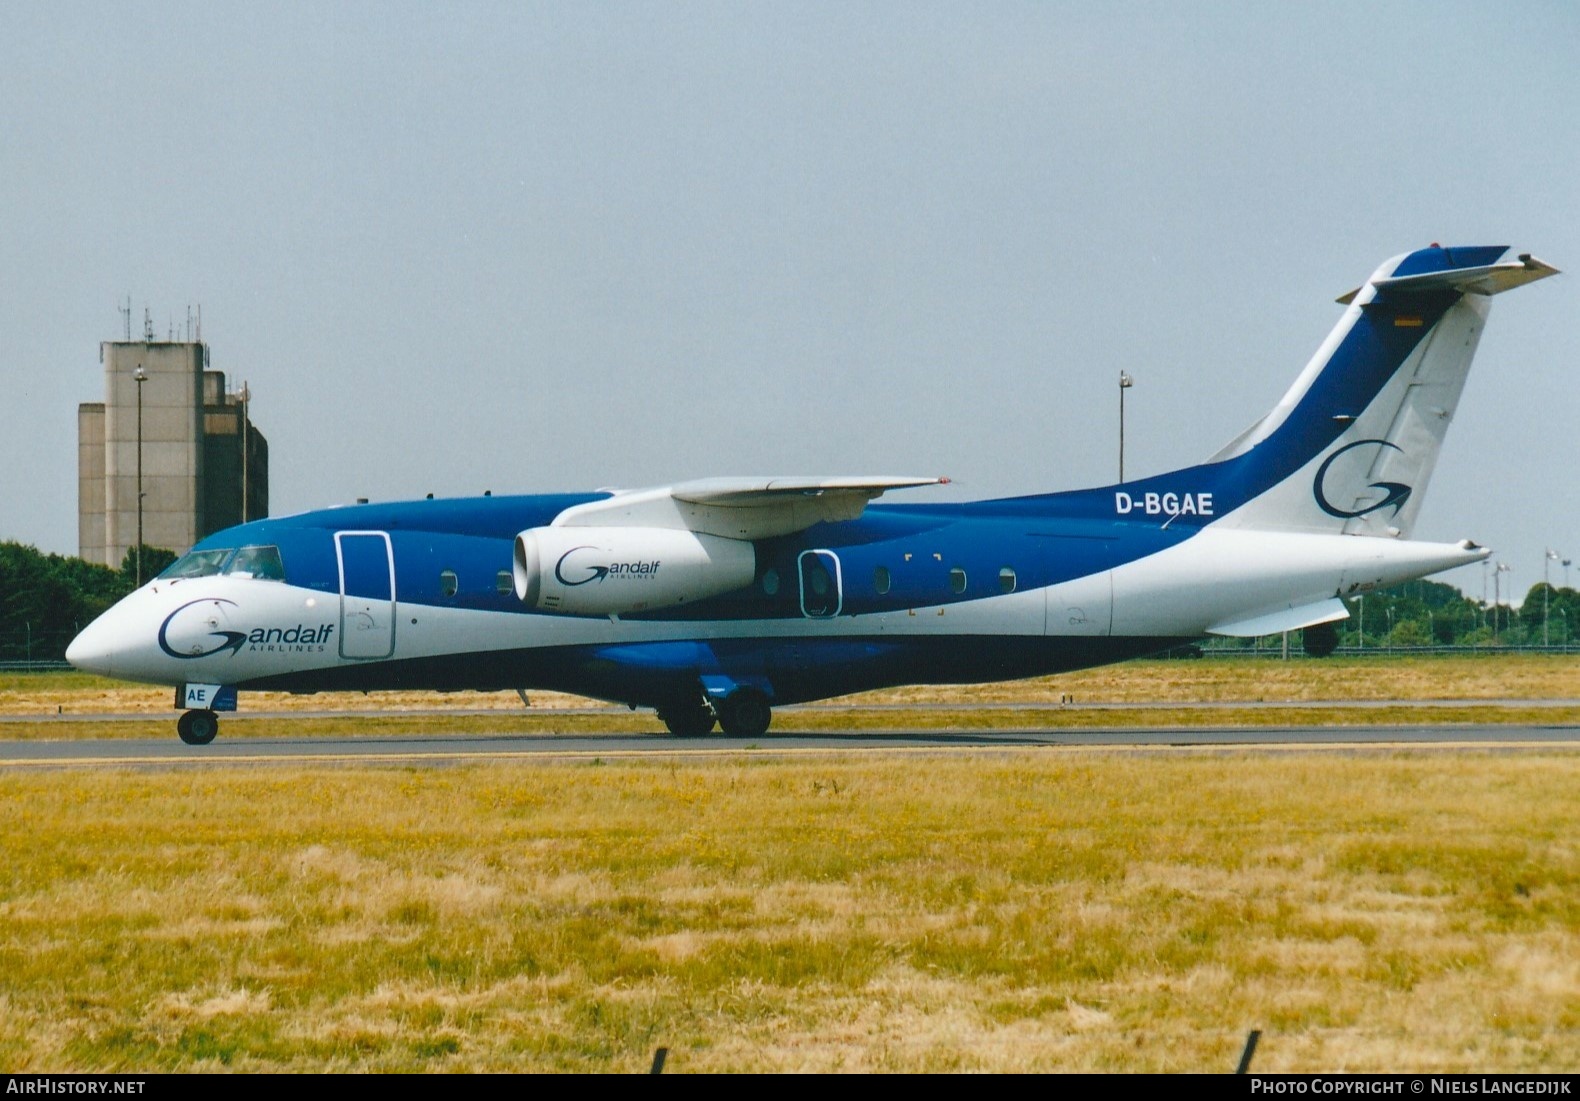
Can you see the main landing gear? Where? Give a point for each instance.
(197, 727)
(688, 722)
(1321, 640)
(744, 713)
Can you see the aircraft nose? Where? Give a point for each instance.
(92, 650)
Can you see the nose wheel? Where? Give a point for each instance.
(197, 727)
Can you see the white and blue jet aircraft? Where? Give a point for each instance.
(711, 601)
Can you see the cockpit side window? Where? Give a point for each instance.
(259, 563)
(199, 563)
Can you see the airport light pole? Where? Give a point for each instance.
(1551, 556)
(141, 376)
(246, 396)
(1125, 383)
(1497, 595)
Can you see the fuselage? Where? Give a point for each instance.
(419, 595)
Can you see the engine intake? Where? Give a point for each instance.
(619, 571)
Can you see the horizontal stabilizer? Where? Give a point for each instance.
(739, 508)
(1484, 279)
(1283, 619)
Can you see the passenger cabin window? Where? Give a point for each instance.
(448, 583)
(880, 580)
(504, 582)
(1006, 580)
(957, 580)
(259, 563)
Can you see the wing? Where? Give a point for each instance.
(738, 508)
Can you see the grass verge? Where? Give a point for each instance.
(1026, 911)
(1490, 676)
(981, 718)
(1500, 688)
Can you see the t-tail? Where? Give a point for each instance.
(1348, 451)
(1352, 445)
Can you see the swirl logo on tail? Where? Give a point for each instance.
(1394, 493)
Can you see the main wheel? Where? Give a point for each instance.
(197, 727)
(688, 722)
(745, 713)
(1321, 640)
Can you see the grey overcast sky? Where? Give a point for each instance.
(524, 247)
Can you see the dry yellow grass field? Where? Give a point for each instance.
(1210, 680)
(1025, 911)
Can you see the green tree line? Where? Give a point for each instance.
(45, 599)
(1429, 613)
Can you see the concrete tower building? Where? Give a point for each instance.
(177, 437)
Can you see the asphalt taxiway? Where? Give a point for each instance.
(420, 749)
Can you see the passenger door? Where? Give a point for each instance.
(821, 591)
(367, 594)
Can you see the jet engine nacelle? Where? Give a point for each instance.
(618, 571)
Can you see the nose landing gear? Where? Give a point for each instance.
(201, 702)
(197, 727)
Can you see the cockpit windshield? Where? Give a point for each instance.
(203, 563)
(259, 563)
